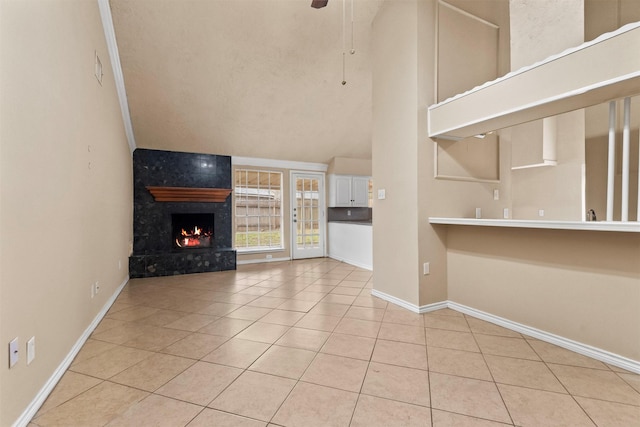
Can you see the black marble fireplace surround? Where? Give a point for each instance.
(154, 250)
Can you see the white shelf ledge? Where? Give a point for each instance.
(601, 70)
(628, 227)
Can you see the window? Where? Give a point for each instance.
(258, 213)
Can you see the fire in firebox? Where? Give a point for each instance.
(193, 238)
(192, 230)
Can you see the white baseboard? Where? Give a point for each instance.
(412, 307)
(262, 260)
(351, 262)
(580, 348)
(46, 389)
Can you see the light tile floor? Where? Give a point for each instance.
(305, 344)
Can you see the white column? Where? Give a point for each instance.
(624, 214)
(611, 168)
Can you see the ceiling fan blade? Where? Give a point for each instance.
(317, 4)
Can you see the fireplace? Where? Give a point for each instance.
(182, 219)
(192, 230)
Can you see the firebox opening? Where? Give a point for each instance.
(190, 231)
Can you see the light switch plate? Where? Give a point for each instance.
(425, 268)
(381, 194)
(13, 352)
(31, 350)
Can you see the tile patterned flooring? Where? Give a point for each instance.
(304, 343)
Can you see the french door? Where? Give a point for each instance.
(307, 215)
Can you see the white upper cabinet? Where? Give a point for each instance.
(342, 191)
(360, 191)
(348, 191)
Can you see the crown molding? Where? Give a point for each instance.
(112, 46)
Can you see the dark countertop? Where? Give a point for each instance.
(362, 222)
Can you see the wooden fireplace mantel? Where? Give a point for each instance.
(189, 194)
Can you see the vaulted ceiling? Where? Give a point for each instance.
(255, 78)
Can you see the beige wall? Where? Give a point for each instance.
(555, 189)
(66, 176)
(584, 286)
(349, 166)
(395, 150)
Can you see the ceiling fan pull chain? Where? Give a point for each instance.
(353, 49)
(344, 44)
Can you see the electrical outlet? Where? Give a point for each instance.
(269, 256)
(478, 213)
(13, 352)
(348, 213)
(496, 194)
(505, 213)
(31, 350)
(540, 212)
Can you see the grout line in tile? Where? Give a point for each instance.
(490, 373)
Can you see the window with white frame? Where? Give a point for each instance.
(258, 210)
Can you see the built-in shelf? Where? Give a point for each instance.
(595, 72)
(189, 194)
(629, 227)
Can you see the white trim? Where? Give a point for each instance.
(48, 387)
(629, 78)
(584, 349)
(112, 46)
(242, 251)
(577, 347)
(409, 306)
(463, 179)
(536, 165)
(280, 164)
(350, 262)
(394, 300)
(262, 260)
(629, 227)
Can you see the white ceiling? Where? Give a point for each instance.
(254, 78)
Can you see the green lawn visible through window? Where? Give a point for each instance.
(257, 239)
